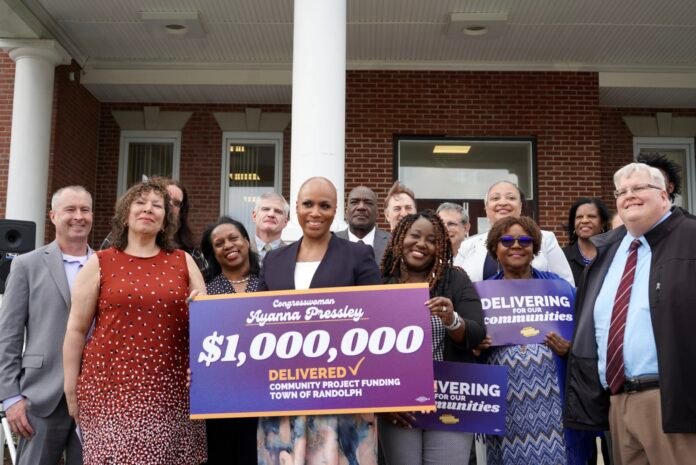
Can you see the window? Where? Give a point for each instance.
(681, 151)
(461, 170)
(252, 164)
(147, 153)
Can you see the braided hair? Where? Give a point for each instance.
(393, 264)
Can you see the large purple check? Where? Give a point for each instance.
(319, 351)
(523, 311)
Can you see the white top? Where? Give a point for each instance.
(369, 238)
(304, 272)
(472, 255)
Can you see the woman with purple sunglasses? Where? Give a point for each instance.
(534, 424)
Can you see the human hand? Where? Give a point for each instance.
(557, 344)
(483, 345)
(17, 418)
(403, 419)
(191, 296)
(442, 308)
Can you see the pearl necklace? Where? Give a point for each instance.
(239, 281)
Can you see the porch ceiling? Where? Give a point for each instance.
(620, 37)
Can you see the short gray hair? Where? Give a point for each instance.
(456, 207)
(271, 195)
(76, 188)
(655, 174)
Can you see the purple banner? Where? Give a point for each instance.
(469, 397)
(523, 311)
(337, 350)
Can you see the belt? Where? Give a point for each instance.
(639, 384)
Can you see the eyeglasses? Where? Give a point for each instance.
(509, 241)
(176, 203)
(636, 190)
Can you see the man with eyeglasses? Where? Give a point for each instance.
(631, 362)
(456, 220)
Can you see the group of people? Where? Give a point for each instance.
(120, 316)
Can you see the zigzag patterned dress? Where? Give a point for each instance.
(534, 419)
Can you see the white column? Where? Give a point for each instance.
(318, 100)
(27, 179)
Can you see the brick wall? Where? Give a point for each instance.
(7, 72)
(201, 151)
(560, 110)
(74, 137)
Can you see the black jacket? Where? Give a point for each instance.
(577, 266)
(672, 297)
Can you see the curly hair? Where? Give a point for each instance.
(439, 274)
(604, 216)
(119, 223)
(504, 224)
(669, 167)
(208, 250)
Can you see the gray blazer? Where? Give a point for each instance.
(380, 244)
(37, 297)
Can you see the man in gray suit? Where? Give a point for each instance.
(361, 214)
(37, 299)
(271, 214)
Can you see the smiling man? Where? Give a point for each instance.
(270, 217)
(361, 214)
(37, 300)
(631, 360)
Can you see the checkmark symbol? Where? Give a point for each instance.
(355, 369)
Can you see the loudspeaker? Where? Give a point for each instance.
(16, 237)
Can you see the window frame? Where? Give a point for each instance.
(668, 143)
(131, 136)
(532, 197)
(249, 138)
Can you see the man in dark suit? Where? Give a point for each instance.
(37, 299)
(270, 215)
(630, 366)
(361, 214)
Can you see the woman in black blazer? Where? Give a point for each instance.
(319, 259)
(587, 217)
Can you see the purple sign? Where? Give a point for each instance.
(319, 351)
(523, 311)
(469, 397)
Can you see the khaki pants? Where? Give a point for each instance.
(635, 421)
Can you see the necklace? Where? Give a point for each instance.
(239, 281)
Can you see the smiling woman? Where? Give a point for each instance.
(420, 252)
(319, 259)
(139, 284)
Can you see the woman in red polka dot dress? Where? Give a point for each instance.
(127, 388)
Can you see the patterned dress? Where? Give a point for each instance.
(132, 393)
(534, 419)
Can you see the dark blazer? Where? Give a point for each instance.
(380, 243)
(577, 266)
(344, 264)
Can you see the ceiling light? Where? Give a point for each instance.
(245, 177)
(452, 149)
(476, 25)
(162, 24)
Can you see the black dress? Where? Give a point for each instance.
(231, 440)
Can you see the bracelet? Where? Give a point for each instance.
(456, 324)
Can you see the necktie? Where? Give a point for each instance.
(360, 241)
(267, 247)
(615, 358)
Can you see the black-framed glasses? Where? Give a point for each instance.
(636, 190)
(509, 241)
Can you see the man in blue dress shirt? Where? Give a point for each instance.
(631, 362)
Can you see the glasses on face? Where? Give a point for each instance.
(176, 203)
(636, 190)
(509, 241)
